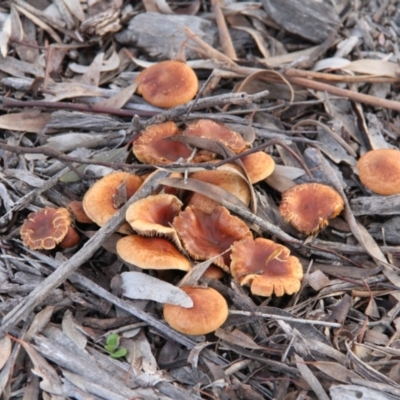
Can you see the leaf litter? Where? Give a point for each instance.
(69, 109)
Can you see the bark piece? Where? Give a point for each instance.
(160, 34)
(309, 19)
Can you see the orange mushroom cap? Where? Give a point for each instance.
(153, 215)
(258, 166)
(231, 182)
(213, 272)
(154, 147)
(207, 128)
(151, 253)
(208, 313)
(379, 171)
(309, 206)
(266, 266)
(99, 201)
(45, 228)
(168, 84)
(207, 235)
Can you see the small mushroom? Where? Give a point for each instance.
(309, 206)
(258, 166)
(267, 267)
(102, 200)
(207, 235)
(151, 253)
(153, 215)
(379, 171)
(153, 146)
(167, 84)
(208, 313)
(228, 180)
(76, 208)
(207, 128)
(46, 228)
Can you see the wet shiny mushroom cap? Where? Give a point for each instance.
(379, 171)
(267, 267)
(309, 206)
(46, 228)
(151, 253)
(168, 84)
(208, 313)
(207, 128)
(102, 201)
(154, 147)
(206, 235)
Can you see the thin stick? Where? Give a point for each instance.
(283, 318)
(353, 96)
(339, 78)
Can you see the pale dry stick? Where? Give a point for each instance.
(67, 268)
(224, 36)
(282, 318)
(291, 72)
(349, 94)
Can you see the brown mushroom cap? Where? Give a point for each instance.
(207, 128)
(208, 313)
(231, 182)
(309, 206)
(99, 201)
(151, 253)
(167, 84)
(207, 235)
(266, 266)
(45, 228)
(71, 239)
(154, 147)
(213, 272)
(153, 215)
(379, 171)
(258, 166)
(76, 208)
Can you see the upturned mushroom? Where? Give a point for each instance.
(209, 312)
(379, 171)
(167, 84)
(309, 206)
(47, 228)
(265, 266)
(103, 200)
(153, 215)
(207, 235)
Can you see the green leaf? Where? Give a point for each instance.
(112, 342)
(119, 353)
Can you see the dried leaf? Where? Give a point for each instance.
(138, 285)
(69, 328)
(237, 338)
(336, 371)
(33, 121)
(5, 350)
(121, 98)
(317, 280)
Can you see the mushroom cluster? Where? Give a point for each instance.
(168, 231)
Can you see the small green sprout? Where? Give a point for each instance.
(112, 346)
